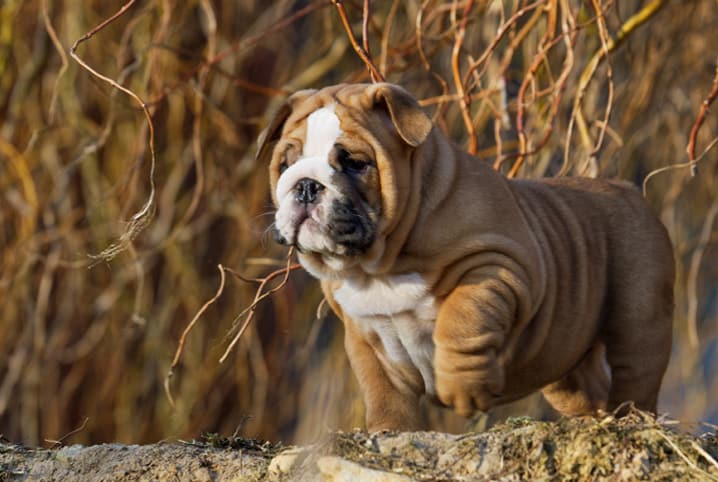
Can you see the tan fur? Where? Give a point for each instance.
(534, 280)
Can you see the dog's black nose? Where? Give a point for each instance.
(306, 190)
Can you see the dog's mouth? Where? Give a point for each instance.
(310, 225)
(347, 230)
(351, 227)
(304, 216)
(301, 217)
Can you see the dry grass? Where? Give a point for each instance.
(636, 447)
(599, 87)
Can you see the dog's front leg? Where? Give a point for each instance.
(391, 404)
(470, 332)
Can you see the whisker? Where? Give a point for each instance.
(266, 233)
(266, 213)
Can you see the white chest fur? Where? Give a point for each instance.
(401, 311)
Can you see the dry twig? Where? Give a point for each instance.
(61, 440)
(569, 36)
(63, 57)
(188, 328)
(141, 218)
(363, 54)
(249, 311)
(243, 44)
(604, 36)
(691, 147)
(685, 458)
(259, 296)
(458, 83)
(607, 46)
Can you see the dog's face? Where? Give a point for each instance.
(334, 161)
(327, 189)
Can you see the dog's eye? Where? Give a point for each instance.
(350, 164)
(288, 156)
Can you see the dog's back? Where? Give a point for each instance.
(611, 257)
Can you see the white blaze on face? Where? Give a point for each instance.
(323, 130)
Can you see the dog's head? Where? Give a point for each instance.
(339, 161)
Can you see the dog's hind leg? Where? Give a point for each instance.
(638, 328)
(585, 389)
(637, 352)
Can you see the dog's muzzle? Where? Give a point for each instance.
(350, 226)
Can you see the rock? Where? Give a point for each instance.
(283, 462)
(337, 469)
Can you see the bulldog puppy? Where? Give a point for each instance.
(456, 283)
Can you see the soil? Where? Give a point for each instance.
(207, 460)
(635, 447)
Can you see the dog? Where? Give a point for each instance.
(457, 284)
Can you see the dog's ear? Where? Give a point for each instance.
(410, 121)
(273, 131)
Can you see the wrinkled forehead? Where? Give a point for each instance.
(325, 106)
(331, 113)
(314, 133)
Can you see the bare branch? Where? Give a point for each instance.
(458, 83)
(691, 147)
(141, 218)
(258, 297)
(363, 54)
(185, 333)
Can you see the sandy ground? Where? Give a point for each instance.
(632, 448)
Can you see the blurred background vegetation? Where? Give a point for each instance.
(537, 88)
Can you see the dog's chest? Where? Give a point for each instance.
(401, 310)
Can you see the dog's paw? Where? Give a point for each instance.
(468, 382)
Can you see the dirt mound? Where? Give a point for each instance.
(635, 447)
(632, 448)
(207, 460)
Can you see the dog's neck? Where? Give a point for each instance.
(433, 182)
(435, 167)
